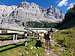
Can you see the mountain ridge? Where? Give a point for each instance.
(30, 12)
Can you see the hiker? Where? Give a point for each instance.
(25, 35)
(47, 39)
(51, 32)
(37, 35)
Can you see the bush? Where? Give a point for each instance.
(38, 44)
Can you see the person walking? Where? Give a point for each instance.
(25, 37)
(47, 39)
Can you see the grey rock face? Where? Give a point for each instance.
(30, 12)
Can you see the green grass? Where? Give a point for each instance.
(66, 38)
(11, 50)
(5, 37)
(21, 50)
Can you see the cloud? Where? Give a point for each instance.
(63, 3)
(70, 5)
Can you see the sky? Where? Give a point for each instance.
(63, 5)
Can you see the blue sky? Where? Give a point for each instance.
(61, 4)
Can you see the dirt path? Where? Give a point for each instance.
(49, 52)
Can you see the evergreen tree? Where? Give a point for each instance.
(69, 19)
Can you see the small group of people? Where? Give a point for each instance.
(46, 37)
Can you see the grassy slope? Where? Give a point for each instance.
(12, 52)
(66, 38)
(21, 50)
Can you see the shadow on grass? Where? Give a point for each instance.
(3, 46)
(13, 46)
